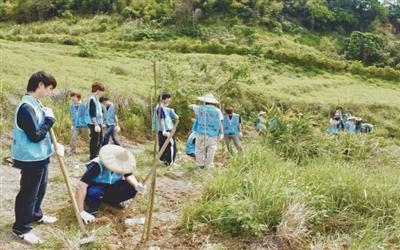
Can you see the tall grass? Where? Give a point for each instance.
(258, 194)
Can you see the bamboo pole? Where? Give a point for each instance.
(68, 183)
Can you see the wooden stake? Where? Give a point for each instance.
(68, 183)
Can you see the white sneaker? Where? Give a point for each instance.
(46, 219)
(28, 237)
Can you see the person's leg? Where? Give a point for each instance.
(108, 133)
(211, 149)
(238, 144)
(114, 137)
(26, 199)
(165, 157)
(119, 192)
(94, 138)
(94, 196)
(74, 136)
(38, 214)
(174, 149)
(200, 151)
(228, 139)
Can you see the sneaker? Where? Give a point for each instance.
(28, 237)
(201, 167)
(47, 219)
(174, 165)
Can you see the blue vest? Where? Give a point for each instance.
(350, 127)
(105, 176)
(260, 123)
(78, 115)
(169, 115)
(190, 145)
(207, 120)
(231, 126)
(109, 114)
(99, 113)
(22, 148)
(333, 129)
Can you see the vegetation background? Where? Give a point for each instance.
(296, 187)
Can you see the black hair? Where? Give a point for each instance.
(103, 99)
(164, 96)
(98, 86)
(40, 77)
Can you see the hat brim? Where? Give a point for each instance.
(117, 159)
(208, 100)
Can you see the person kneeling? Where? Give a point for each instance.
(108, 179)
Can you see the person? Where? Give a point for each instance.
(191, 145)
(260, 122)
(162, 122)
(109, 179)
(208, 128)
(31, 149)
(95, 119)
(77, 110)
(110, 119)
(232, 129)
(349, 125)
(335, 124)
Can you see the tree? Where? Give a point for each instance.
(366, 47)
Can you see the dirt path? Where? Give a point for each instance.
(174, 187)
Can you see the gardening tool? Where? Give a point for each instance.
(82, 227)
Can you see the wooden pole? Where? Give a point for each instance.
(68, 183)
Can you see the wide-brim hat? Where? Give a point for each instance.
(208, 98)
(117, 159)
(262, 113)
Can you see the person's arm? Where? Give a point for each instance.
(27, 121)
(240, 126)
(139, 187)
(93, 111)
(87, 178)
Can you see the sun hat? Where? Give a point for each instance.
(117, 159)
(261, 113)
(208, 98)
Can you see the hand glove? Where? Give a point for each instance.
(221, 137)
(86, 217)
(140, 188)
(60, 149)
(48, 112)
(97, 129)
(117, 129)
(165, 133)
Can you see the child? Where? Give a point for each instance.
(95, 119)
(30, 150)
(111, 120)
(77, 111)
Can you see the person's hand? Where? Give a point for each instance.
(140, 188)
(221, 137)
(176, 116)
(48, 112)
(97, 129)
(165, 133)
(117, 129)
(60, 149)
(86, 217)
(240, 134)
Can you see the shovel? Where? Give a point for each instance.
(82, 227)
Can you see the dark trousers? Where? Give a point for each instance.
(168, 157)
(110, 133)
(95, 142)
(33, 185)
(110, 194)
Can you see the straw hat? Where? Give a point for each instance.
(117, 159)
(208, 98)
(261, 113)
